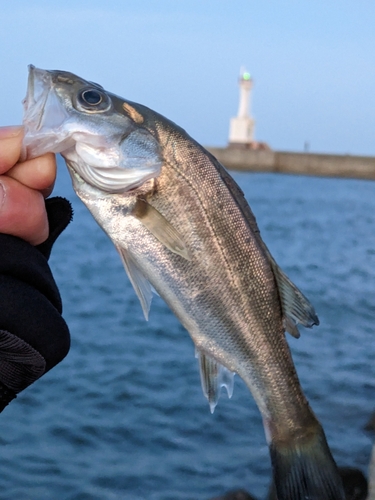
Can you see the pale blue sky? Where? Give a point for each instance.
(313, 62)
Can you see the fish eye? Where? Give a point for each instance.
(92, 100)
(92, 97)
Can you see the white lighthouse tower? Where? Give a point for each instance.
(241, 130)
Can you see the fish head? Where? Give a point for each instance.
(103, 143)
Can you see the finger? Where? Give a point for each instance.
(22, 211)
(38, 174)
(10, 146)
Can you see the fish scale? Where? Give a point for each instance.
(183, 226)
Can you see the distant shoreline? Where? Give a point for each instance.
(316, 164)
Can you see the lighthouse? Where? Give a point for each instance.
(241, 130)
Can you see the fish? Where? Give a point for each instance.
(183, 228)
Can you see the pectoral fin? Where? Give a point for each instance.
(213, 377)
(296, 308)
(140, 284)
(158, 225)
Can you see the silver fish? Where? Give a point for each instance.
(182, 226)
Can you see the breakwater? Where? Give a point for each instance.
(326, 165)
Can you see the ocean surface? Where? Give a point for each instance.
(124, 417)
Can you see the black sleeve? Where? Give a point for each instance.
(33, 335)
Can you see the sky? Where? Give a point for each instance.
(312, 61)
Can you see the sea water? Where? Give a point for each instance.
(123, 416)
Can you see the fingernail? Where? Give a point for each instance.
(2, 195)
(9, 132)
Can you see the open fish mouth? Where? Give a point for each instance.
(44, 115)
(38, 90)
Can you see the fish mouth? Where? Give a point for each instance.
(38, 88)
(44, 115)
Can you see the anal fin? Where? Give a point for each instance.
(213, 377)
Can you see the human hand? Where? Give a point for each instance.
(28, 349)
(23, 187)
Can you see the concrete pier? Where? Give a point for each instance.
(327, 165)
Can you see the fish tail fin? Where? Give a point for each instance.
(306, 470)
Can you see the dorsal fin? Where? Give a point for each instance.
(296, 307)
